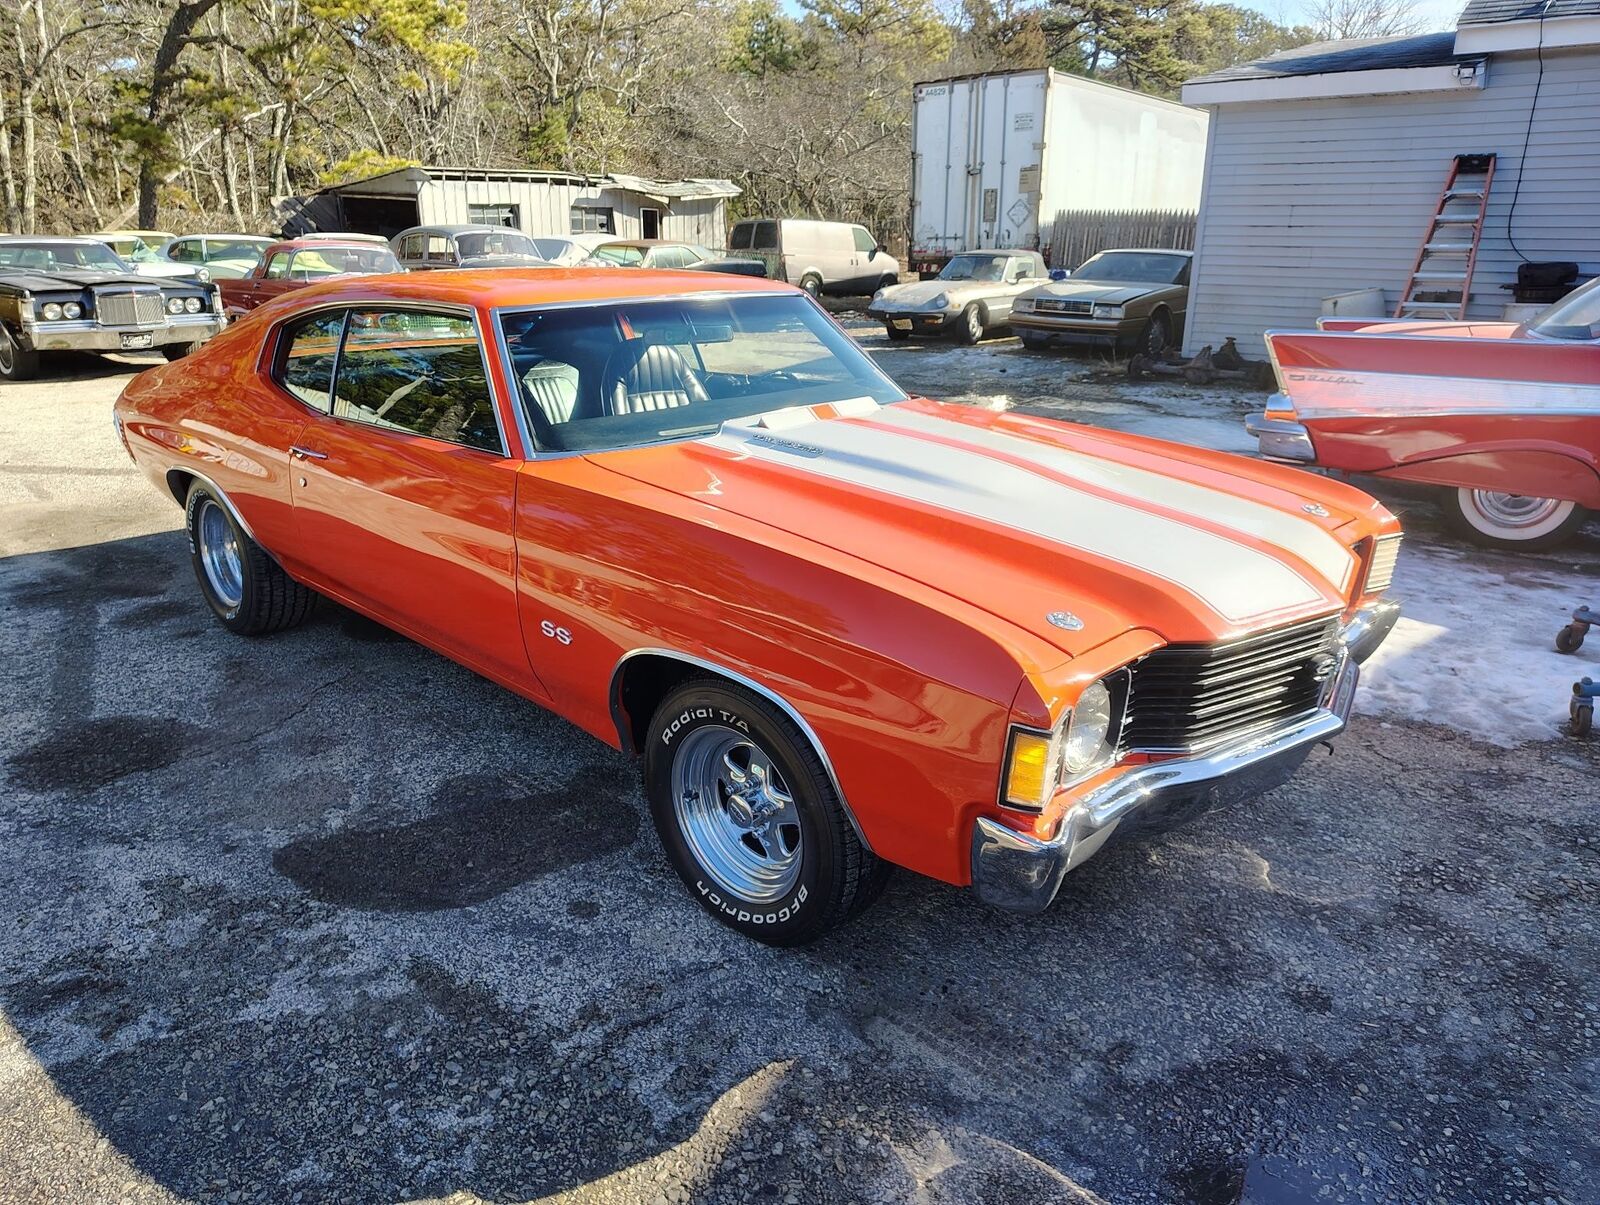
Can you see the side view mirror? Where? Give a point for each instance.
(1059, 274)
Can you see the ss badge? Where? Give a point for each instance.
(555, 633)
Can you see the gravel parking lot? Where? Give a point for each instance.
(327, 917)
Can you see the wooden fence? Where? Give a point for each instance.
(1079, 233)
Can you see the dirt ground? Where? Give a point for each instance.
(327, 917)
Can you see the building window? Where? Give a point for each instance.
(494, 215)
(592, 219)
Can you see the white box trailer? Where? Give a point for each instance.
(994, 158)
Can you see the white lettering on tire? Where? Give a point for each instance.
(788, 912)
(690, 715)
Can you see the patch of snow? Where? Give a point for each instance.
(1475, 647)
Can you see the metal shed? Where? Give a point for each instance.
(1324, 164)
(535, 202)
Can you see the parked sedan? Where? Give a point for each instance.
(970, 297)
(140, 250)
(570, 250)
(842, 627)
(424, 248)
(1131, 299)
(1505, 417)
(74, 294)
(654, 253)
(224, 256)
(297, 263)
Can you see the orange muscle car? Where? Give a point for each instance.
(842, 627)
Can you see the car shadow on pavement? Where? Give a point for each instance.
(327, 914)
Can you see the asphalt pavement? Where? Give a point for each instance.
(325, 917)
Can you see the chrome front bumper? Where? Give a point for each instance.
(1280, 439)
(85, 334)
(1022, 873)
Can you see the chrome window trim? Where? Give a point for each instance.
(614, 695)
(532, 451)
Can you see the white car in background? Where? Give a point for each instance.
(225, 256)
(140, 250)
(568, 251)
(970, 297)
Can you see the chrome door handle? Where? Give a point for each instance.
(300, 453)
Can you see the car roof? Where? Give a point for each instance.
(645, 242)
(495, 287)
(223, 234)
(79, 239)
(102, 234)
(323, 244)
(1150, 250)
(469, 228)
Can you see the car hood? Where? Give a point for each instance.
(920, 292)
(1026, 517)
(70, 278)
(1106, 292)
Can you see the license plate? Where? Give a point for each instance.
(132, 340)
(902, 324)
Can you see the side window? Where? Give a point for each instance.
(277, 266)
(739, 239)
(865, 243)
(417, 372)
(411, 247)
(669, 257)
(766, 237)
(306, 352)
(440, 250)
(184, 252)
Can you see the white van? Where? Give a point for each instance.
(820, 257)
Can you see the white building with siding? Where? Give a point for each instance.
(1324, 164)
(538, 203)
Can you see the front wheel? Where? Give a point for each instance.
(895, 333)
(969, 328)
(246, 589)
(1033, 340)
(16, 362)
(1513, 522)
(1156, 336)
(749, 818)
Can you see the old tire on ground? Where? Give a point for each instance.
(969, 327)
(812, 284)
(16, 363)
(245, 588)
(1156, 336)
(1570, 639)
(1512, 522)
(176, 351)
(749, 819)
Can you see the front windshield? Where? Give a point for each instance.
(975, 267)
(620, 254)
(500, 242)
(632, 373)
(342, 261)
(55, 257)
(1143, 267)
(551, 249)
(1575, 317)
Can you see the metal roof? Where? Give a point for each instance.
(668, 190)
(1351, 54)
(1493, 12)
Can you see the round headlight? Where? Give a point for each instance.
(72, 310)
(203, 275)
(174, 305)
(51, 311)
(942, 301)
(191, 305)
(1088, 730)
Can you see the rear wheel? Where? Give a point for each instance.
(812, 284)
(1515, 522)
(16, 363)
(749, 819)
(246, 589)
(894, 332)
(969, 327)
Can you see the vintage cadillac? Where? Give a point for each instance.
(971, 296)
(1506, 417)
(75, 294)
(843, 628)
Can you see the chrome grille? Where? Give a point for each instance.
(130, 307)
(1055, 306)
(1187, 698)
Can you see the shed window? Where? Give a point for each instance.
(495, 215)
(593, 219)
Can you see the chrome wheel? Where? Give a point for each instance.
(974, 325)
(1517, 511)
(8, 354)
(736, 813)
(219, 554)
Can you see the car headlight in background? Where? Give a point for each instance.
(941, 302)
(203, 276)
(1023, 303)
(1107, 311)
(51, 311)
(72, 310)
(191, 305)
(1380, 565)
(1039, 763)
(174, 305)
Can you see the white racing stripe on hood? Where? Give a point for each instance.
(1292, 533)
(1236, 581)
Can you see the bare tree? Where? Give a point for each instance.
(1340, 19)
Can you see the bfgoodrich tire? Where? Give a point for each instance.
(749, 818)
(1510, 521)
(244, 587)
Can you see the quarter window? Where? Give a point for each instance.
(185, 253)
(305, 364)
(278, 266)
(440, 250)
(418, 372)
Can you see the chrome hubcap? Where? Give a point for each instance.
(1514, 510)
(737, 814)
(219, 555)
(7, 355)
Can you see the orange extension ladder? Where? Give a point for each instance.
(1441, 276)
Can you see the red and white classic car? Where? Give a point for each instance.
(844, 628)
(1506, 416)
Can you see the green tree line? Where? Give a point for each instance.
(197, 114)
